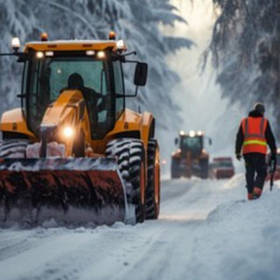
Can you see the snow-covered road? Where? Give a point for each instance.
(205, 231)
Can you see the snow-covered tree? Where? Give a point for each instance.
(246, 47)
(16, 19)
(137, 22)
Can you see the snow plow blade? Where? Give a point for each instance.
(77, 190)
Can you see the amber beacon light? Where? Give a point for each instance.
(44, 36)
(112, 35)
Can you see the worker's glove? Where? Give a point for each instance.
(238, 156)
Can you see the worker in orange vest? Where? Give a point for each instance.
(253, 136)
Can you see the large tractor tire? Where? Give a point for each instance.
(153, 185)
(131, 161)
(175, 168)
(13, 148)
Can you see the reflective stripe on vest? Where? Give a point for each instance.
(254, 135)
(263, 143)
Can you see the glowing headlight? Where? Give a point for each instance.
(90, 52)
(120, 45)
(39, 55)
(68, 132)
(49, 53)
(101, 54)
(15, 43)
(192, 133)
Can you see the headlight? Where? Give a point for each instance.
(192, 133)
(120, 45)
(101, 55)
(49, 53)
(15, 43)
(68, 132)
(90, 52)
(39, 55)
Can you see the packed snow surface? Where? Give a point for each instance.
(206, 230)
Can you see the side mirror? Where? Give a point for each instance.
(210, 141)
(140, 76)
(176, 140)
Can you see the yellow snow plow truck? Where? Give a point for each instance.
(73, 151)
(191, 158)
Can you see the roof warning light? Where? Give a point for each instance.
(44, 36)
(112, 35)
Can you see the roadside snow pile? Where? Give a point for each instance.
(241, 239)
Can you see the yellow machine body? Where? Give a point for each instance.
(66, 110)
(66, 121)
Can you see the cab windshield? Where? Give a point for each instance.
(193, 144)
(46, 78)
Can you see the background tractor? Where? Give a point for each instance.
(73, 150)
(190, 158)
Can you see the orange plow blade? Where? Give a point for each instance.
(81, 190)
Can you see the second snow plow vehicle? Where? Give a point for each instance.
(73, 151)
(190, 158)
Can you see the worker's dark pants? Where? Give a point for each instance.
(256, 170)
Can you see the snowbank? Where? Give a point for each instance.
(240, 239)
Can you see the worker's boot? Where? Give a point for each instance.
(257, 192)
(250, 196)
